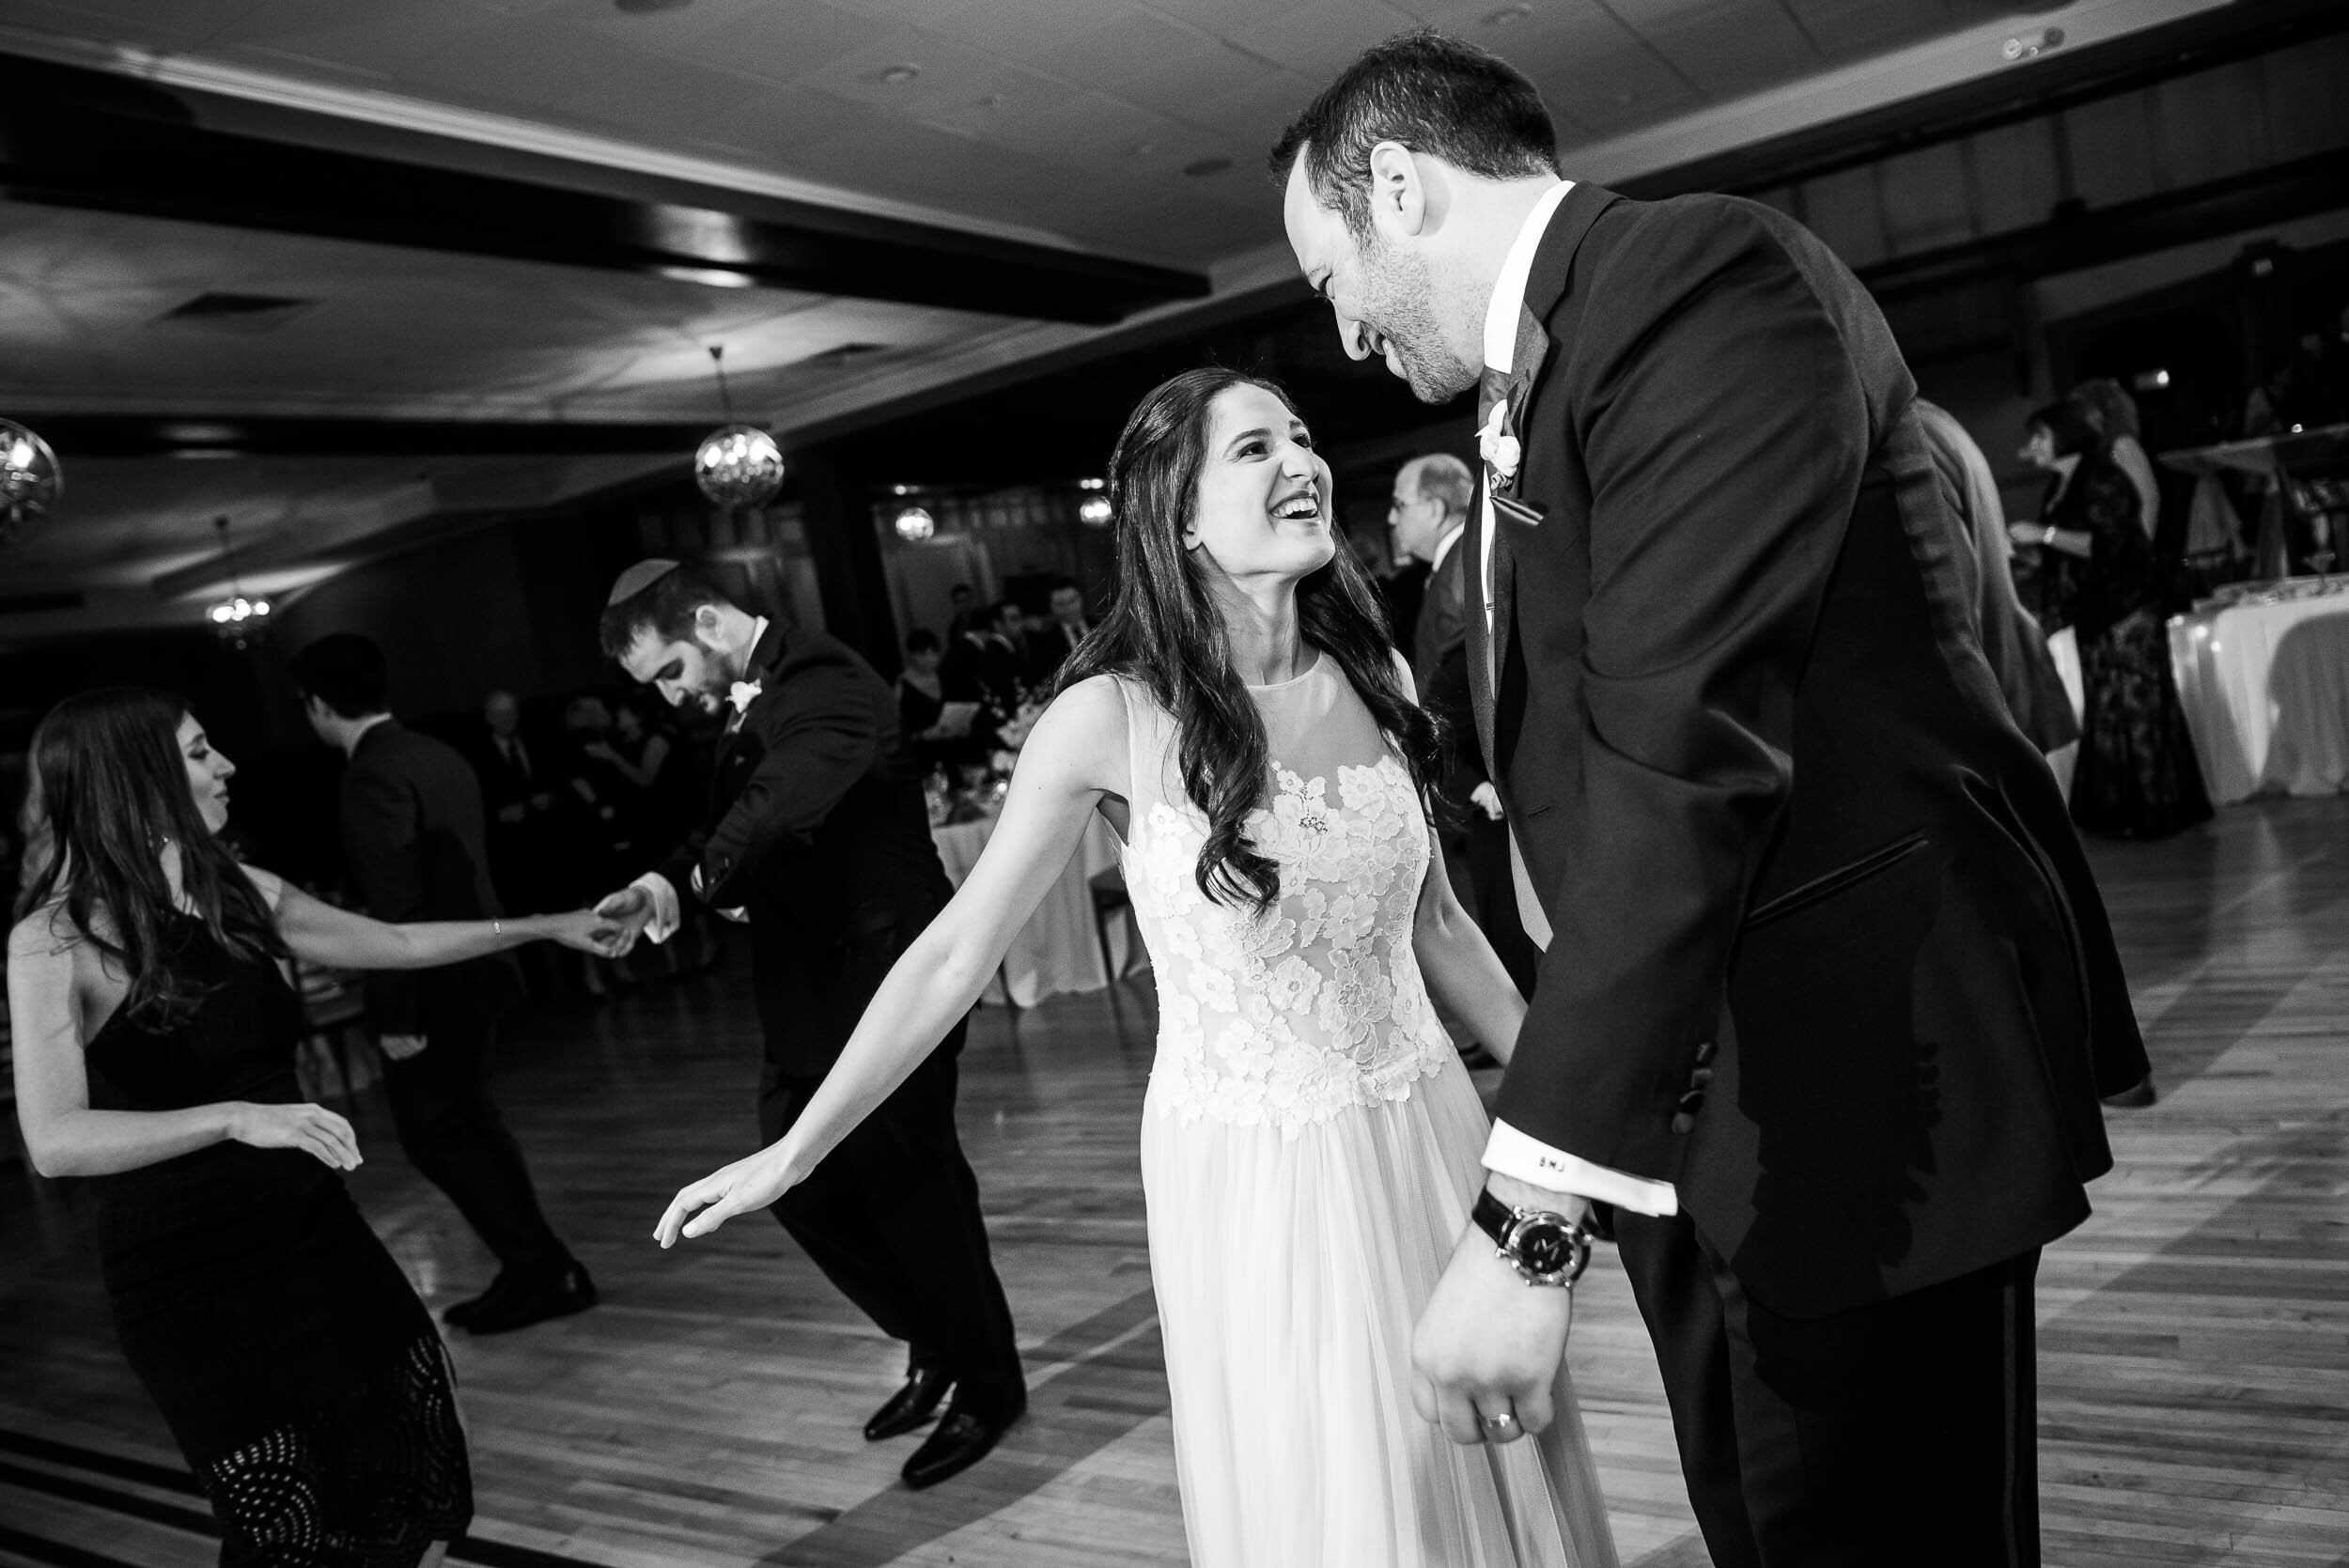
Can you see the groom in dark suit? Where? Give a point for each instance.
(817, 836)
(1829, 994)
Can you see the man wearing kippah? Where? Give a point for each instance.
(817, 836)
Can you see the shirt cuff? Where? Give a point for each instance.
(663, 923)
(1512, 1154)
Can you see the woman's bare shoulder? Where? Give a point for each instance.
(1083, 732)
(45, 932)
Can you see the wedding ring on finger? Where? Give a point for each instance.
(1500, 1428)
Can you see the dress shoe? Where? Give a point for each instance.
(962, 1439)
(462, 1312)
(2136, 1096)
(910, 1405)
(532, 1300)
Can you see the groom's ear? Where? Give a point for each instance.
(1398, 192)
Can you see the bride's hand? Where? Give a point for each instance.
(747, 1184)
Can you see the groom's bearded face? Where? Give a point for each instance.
(1387, 296)
(688, 673)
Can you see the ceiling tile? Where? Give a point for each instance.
(1322, 38)
(774, 42)
(366, 37)
(182, 23)
(1145, 58)
(1015, 29)
(949, 75)
(1849, 29)
(1723, 46)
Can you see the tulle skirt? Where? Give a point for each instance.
(1290, 1271)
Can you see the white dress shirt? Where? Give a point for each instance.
(1509, 1152)
(666, 913)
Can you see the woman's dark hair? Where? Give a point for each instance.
(112, 785)
(2110, 408)
(664, 607)
(2068, 424)
(1433, 94)
(1164, 632)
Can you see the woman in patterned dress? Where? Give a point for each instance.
(1311, 1141)
(155, 1036)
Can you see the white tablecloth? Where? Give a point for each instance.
(2265, 689)
(1057, 950)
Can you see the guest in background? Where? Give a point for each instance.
(595, 824)
(1050, 648)
(961, 603)
(2011, 640)
(671, 781)
(155, 1038)
(414, 844)
(983, 665)
(2137, 777)
(518, 802)
(817, 831)
(934, 738)
(2113, 413)
(1425, 517)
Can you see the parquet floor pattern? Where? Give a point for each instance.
(2194, 1334)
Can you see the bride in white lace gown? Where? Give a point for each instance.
(1309, 1140)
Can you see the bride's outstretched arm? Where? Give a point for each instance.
(1075, 755)
(1459, 965)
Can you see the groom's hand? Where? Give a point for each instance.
(630, 909)
(1488, 1343)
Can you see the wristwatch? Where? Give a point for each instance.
(1545, 1248)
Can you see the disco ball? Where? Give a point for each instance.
(30, 480)
(739, 466)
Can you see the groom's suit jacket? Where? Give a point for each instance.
(816, 829)
(1827, 954)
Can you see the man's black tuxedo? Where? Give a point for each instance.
(817, 833)
(1439, 625)
(416, 848)
(1828, 956)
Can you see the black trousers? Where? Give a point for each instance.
(1903, 1432)
(452, 1131)
(891, 1218)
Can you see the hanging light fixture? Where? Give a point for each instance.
(737, 465)
(915, 524)
(237, 618)
(30, 480)
(1094, 511)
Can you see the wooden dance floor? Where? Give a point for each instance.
(2194, 1335)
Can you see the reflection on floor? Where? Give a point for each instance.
(2195, 1334)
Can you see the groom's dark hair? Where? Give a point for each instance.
(346, 672)
(664, 607)
(1433, 94)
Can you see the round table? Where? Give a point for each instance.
(2266, 688)
(1057, 950)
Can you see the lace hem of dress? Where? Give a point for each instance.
(368, 1479)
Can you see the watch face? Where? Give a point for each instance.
(1543, 1247)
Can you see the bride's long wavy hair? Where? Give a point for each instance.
(1164, 632)
(108, 785)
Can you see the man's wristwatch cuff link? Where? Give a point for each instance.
(1545, 1248)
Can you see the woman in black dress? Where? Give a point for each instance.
(155, 1038)
(2137, 777)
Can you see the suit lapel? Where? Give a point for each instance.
(1544, 284)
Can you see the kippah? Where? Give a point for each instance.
(638, 578)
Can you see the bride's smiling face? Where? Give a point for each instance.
(1262, 507)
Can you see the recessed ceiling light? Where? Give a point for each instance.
(646, 8)
(1508, 16)
(1207, 166)
(992, 101)
(896, 76)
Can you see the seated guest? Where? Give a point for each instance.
(983, 665)
(960, 605)
(936, 740)
(2137, 777)
(1050, 645)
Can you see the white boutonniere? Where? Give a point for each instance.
(743, 693)
(1498, 447)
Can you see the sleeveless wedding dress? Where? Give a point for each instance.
(1310, 1149)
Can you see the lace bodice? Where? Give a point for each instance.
(1314, 1006)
